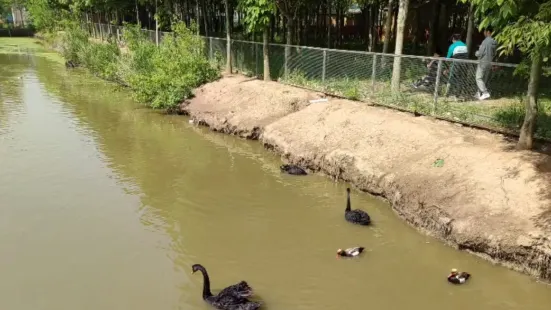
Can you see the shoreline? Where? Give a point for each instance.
(484, 198)
(506, 223)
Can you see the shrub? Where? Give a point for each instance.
(164, 76)
(159, 76)
(102, 59)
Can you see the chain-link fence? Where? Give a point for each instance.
(439, 87)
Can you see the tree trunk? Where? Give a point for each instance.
(197, 20)
(414, 30)
(137, 15)
(373, 24)
(228, 38)
(156, 23)
(402, 16)
(388, 25)
(525, 141)
(205, 21)
(394, 26)
(366, 23)
(338, 20)
(265, 52)
(433, 28)
(329, 23)
(470, 30)
(443, 26)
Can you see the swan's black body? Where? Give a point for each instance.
(231, 298)
(292, 169)
(459, 278)
(241, 289)
(355, 216)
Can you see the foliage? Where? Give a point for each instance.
(159, 76)
(257, 13)
(46, 15)
(100, 58)
(525, 25)
(164, 76)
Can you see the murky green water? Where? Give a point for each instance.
(105, 205)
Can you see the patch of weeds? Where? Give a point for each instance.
(160, 76)
(348, 88)
(512, 117)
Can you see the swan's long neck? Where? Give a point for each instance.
(348, 201)
(206, 283)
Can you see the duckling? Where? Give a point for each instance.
(350, 252)
(458, 277)
(292, 169)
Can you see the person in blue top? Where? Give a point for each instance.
(457, 72)
(457, 47)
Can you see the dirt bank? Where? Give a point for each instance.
(480, 195)
(243, 106)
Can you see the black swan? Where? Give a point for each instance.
(355, 216)
(292, 169)
(458, 277)
(350, 252)
(231, 298)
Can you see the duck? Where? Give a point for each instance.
(292, 169)
(355, 216)
(350, 252)
(233, 297)
(458, 277)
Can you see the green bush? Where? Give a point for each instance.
(160, 76)
(102, 59)
(163, 76)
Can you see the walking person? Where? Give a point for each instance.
(485, 54)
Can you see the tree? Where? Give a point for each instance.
(388, 25)
(289, 9)
(525, 25)
(396, 69)
(470, 30)
(258, 14)
(228, 37)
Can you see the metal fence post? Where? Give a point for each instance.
(324, 66)
(286, 65)
(157, 36)
(437, 86)
(255, 59)
(374, 73)
(210, 49)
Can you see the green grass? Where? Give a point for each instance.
(27, 46)
(505, 114)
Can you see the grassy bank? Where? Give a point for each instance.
(159, 77)
(504, 113)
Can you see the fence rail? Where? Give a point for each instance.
(442, 88)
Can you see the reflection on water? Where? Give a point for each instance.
(106, 205)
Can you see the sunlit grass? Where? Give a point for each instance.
(27, 46)
(505, 114)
